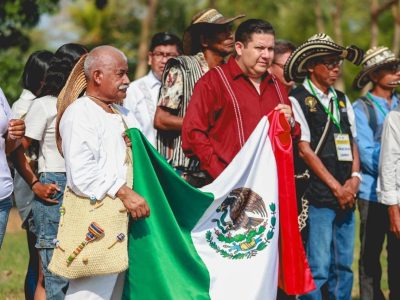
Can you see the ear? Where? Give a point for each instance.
(149, 58)
(239, 46)
(97, 77)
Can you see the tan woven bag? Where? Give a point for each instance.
(95, 258)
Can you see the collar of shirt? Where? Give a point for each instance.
(324, 98)
(384, 103)
(152, 80)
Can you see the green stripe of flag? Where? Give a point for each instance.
(163, 263)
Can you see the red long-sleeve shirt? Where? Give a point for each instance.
(210, 130)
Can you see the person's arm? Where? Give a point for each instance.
(169, 101)
(367, 147)
(344, 196)
(199, 117)
(43, 191)
(14, 134)
(353, 183)
(165, 120)
(389, 169)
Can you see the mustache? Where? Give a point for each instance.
(123, 87)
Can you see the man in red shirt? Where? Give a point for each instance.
(229, 101)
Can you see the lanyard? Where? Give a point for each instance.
(376, 104)
(331, 116)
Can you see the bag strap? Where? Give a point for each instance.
(238, 115)
(370, 112)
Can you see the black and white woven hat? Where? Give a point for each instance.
(374, 59)
(318, 45)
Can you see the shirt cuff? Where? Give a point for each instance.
(115, 187)
(389, 197)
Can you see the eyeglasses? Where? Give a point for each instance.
(331, 64)
(159, 55)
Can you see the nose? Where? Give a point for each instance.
(126, 79)
(267, 54)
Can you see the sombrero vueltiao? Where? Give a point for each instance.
(191, 36)
(318, 45)
(374, 59)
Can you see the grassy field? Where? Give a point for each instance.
(14, 259)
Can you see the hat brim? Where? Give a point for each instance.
(295, 67)
(190, 38)
(363, 78)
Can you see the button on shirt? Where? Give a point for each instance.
(141, 99)
(94, 149)
(369, 142)
(324, 98)
(6, 182)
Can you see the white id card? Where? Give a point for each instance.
(343, 147)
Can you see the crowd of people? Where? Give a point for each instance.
(198, 105)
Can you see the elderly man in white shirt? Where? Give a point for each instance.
(142, 94)
(95, 152)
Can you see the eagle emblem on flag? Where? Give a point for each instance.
(244, 226)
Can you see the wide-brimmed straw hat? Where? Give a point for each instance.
(316, 46)
(191, 36)
(374, 59)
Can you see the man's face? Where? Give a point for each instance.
(159, 57)
(222, 41)
(114, 78)
(387, 77)
(277, 68)
(256, 57)
(325, 71)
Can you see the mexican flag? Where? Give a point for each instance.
(223, 241)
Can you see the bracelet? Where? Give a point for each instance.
(33, 183)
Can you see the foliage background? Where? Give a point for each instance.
(28, 25)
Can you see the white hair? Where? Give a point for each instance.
(99, 57)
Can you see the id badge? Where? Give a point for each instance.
(343, 147)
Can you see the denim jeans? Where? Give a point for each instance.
(329, 250)
(374, 227)
(46, 217)
(5, 207)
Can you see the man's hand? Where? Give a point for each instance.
(16, 129)
(127, 140)
(345, 197)
(352, 184)
(134, 203)
(46, 191)
(394, 217)
(285, 109)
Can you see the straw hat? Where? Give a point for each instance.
(191, 37)
(374, 59)
(74, 86)
(318, 45)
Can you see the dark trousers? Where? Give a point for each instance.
(374, 227)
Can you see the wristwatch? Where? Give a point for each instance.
(357, 174)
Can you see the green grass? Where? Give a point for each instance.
(14, 261)
(13, 265)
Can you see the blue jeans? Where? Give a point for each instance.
(5, 207)
(46, 217)
(329, 250)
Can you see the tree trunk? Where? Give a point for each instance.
(338, 37)
(147, 24)
(319, 21)
(374, 23)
